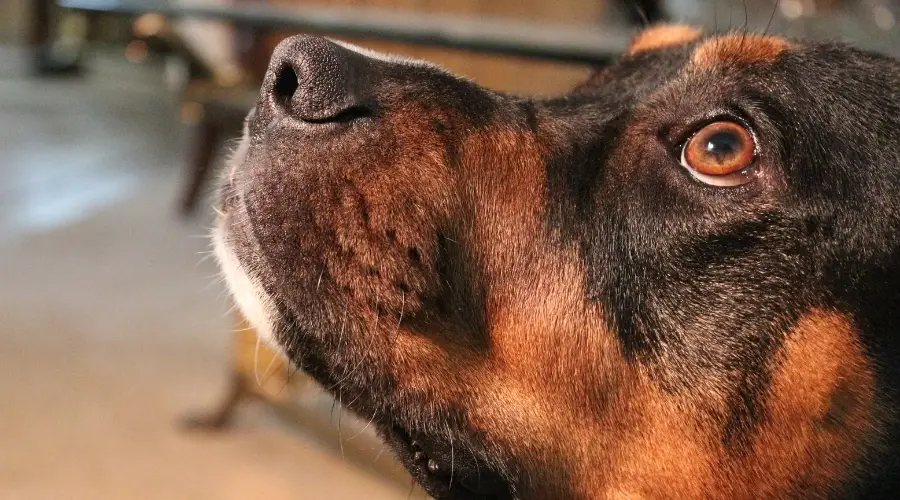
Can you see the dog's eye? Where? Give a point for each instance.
(720, 154)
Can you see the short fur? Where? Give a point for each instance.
(532, 298)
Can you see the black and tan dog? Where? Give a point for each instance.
(682, 280)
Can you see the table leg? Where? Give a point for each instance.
(206, 140)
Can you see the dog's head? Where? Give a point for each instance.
(682, 280)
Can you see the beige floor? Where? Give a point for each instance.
(111, 327)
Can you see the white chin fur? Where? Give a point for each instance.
(252, 300)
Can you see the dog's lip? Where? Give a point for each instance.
(436, 472)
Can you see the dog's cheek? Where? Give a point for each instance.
(820, 417)
(821, 407)
(384, 243)
(365, 225)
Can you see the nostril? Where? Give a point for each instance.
(345, 115)
(316, 81)
(285, 86)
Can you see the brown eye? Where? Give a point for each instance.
(719, 154)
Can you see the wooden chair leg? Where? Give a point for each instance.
(41, 40)
(39, 34)
(39, 30)
(206, 141)
(644, 12)
(239, 392)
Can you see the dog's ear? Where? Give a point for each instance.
(654, 37)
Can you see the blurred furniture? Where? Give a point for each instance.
(215, 107)
(476, 32)
(218, 113)
(47, 56)
(259, 374)
(589, 44)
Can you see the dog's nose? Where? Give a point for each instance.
(314, 80)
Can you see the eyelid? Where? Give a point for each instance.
(677, 135)
(734, 179)
(680, 146)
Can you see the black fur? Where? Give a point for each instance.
(699, 283)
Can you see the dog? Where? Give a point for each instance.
(680, 280)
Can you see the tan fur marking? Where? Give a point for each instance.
(820, 414)
(820, 410)
(739, 49)
(663, 35)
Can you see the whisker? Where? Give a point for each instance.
(245, 329)
(340, 437)
(348, 374)
(402, 306)
(378, 455)
(348, 405)
(214, 283)
(641, 13)
(256, 362)
(206, 257)
(233, 308)
(343, 324)
(715, 16)
(412, 487)
(743, 39)
(746, 16)
(287, 380)
(450, 436)
(321, 273)
(266, 373)
(363, 357)
(366, 426)
(771, 17)
(400, 319)
(730, 13)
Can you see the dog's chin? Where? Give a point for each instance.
(253, 302)
(444, 471)
(443, 468)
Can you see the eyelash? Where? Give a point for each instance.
(696, 125)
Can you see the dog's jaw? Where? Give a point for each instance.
(249, 296)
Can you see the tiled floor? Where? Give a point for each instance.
(111, 327)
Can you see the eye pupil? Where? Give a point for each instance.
(723, 143)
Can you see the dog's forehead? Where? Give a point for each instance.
(685, 62)
(710, 50)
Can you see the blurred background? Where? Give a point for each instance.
(124, 371)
